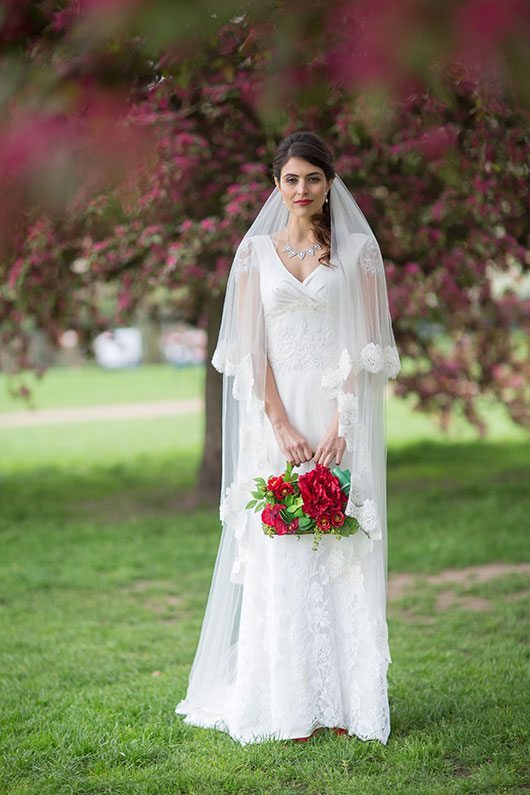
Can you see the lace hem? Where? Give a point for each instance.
(375, 358)
(236, 517)
(207, 720)
(223, 356)
(348, 406)
(332, 380)
(367, 515)
(243, 372)
(253, 461)
(360, 505)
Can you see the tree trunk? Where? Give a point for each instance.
(209, 477)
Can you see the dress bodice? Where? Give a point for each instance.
(298, 314)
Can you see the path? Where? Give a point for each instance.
(111, 413)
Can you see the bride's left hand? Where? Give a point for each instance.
(331, 448)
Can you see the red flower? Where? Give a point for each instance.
(293, 526)
(279, 487)
(321, 492)
(337, 519)
(271, 517)
(270, 514)
(324, 523)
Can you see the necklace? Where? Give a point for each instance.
(293, 252)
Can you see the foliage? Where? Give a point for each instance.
(438, 166)
(445, 188)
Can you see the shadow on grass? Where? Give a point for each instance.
(449, 504)
(105, 575)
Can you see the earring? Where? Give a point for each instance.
(327, 198)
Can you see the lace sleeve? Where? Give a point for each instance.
(240, 342)
(370, 258)
(378, 353)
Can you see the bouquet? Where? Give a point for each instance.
(309, 503)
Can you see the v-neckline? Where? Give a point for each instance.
(286, 269)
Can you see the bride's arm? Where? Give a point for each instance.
(274, 407)
(292, 444)
(331, 448)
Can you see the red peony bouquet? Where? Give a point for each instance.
(311, 503)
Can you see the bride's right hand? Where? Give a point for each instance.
(292, 444)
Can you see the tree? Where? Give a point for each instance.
(437, 165)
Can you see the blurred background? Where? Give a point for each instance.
(136, 146)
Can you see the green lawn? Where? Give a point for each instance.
(104, 576)
(90, 385)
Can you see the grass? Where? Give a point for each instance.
(103, 582)
(90, 385)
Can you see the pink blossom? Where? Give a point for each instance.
(14, 273)
(208, 225)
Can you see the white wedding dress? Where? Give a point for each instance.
(312, 648)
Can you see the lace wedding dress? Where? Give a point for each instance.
(312, 645)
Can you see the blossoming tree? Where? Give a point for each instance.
(156, 165)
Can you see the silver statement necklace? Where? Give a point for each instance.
(293, 252)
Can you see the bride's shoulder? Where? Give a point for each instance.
(366, 252)
(249, 241)
(358, 239)
(247, 252)
(362, 243)
(253, 239)
(253, 246)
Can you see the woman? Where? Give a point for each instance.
(295, 639)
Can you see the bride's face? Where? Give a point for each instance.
(303, 187)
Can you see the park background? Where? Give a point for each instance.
(136, 142)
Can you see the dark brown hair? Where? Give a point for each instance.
(309, 146)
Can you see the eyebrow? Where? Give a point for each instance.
(312, 174)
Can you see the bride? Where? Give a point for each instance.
(295, 639)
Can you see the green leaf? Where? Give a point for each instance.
(250, 504)
(344, 478)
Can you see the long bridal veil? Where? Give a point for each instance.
(365, 358)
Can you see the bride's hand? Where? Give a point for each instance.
(331, 448)
(292, 444)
